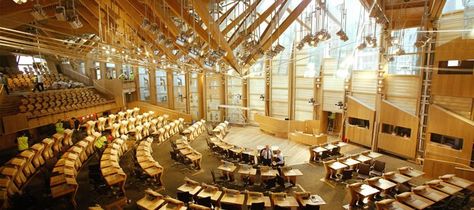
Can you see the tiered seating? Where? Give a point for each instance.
(195, 130)
(52, 102)
(149, 165)
(50, 81)
(221, 130)
(109, 164)
(230, 151)
(183, 152)
(63, 180)
(17, 172)
(154, 200)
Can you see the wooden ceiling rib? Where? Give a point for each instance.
(213, 28)
(407, 14)
(241, 17)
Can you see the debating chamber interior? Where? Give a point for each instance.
(237, 104)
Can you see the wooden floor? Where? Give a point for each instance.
(295, 153)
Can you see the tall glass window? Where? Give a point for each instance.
(98, 75)
(213, 96)
(307, 65)
(144, 83)
(234, 98)
(110, 71)
(256, 88)
(161, 88)
(404, 55)
(194, 96)
(179, 86)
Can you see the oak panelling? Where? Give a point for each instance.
(458, 105)
(393, 115)
(444, 122)
(357, 109)
(434, 168)
(450, 21)
(403, 91)
(461, 85)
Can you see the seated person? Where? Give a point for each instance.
(266, 155)
(279, 161)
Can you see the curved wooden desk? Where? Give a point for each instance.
(282, 128)
(306, 138)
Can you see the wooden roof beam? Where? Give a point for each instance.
(136, 17)
(237, 38)
(275, 20)
(241, 17)
(213, 28)
(170, 26)
(227, 13)
(286, 23)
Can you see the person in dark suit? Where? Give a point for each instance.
(266, 155)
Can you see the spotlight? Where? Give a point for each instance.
(209, 64)
(362, 46)
(181, 41)
(371, 41)
(194, 52)
(20, 1)
(60, 13)
(75, 22)
(145, 24)
(399, 51)
(342, 35)
(38, 12)
(323, 35)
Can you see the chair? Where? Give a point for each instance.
(257, 206)
(226, 206)
(185, 197)
(347, 174)
(378, 168)
(206, 201)
(311, 207)
(364, 171)
(335, 151)
(280, 208)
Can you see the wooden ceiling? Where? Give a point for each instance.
(118, 23)
(405, 13)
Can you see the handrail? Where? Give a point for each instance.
(102, 88)
(78, 76)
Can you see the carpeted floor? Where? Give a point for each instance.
(37, 196)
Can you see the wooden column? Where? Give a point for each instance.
(268, 85)
(187, 78)
(245, 96)
(291, 85)
(152, 84)
(223, 94)
(170, 88)
(202, 95)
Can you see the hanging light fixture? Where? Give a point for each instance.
(60, 12)
(38, 13)
(20, 1)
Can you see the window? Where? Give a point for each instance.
(161, 87)
(110, 70)
(194, 96)
(256, 90)
(456, 67)
(143, 83)
(359, 122)
(408, 61)
(98, 75)
(31, 64)
(179, 85)
(82, 67)
(453, 142)
(234, 98)
(213, 96)
(126, 71)
(396, 130)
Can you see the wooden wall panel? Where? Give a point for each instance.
(357, 109)
(434, 168)
(458, 105)
(393, 115)
(403, 91)
(442, 121)
(364, 86)
(460, 85)
(450, 21)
